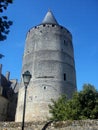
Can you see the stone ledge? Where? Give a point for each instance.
(61, 125)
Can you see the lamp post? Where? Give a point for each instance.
(26, 79)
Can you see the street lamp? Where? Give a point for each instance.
(26, 79)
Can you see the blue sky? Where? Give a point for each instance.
(80, 17)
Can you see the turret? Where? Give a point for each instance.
(49, 56)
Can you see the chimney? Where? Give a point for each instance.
(7, 75)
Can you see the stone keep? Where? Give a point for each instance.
(49, 57)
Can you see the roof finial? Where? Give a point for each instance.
(49, 10)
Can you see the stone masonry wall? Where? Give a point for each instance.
(3, 108)
(65, 125)
(49, 57)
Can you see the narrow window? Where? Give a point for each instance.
(44, 87)
(64, 76)
(35, 27)
(44, 25)
(61, 27)
(53, 25)
(65, 42)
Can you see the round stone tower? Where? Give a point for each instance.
(49, 57)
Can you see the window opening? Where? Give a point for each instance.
(64, 76)
(53, 25)
(44, 25)
(44, 87)
(61, 27)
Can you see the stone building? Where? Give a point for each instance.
(49, 56)
(8, 97)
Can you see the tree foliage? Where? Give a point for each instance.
(83, 105)
(4, 22)
(58, 108)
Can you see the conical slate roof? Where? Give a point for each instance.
(49, 18)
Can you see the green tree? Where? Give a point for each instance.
(73, 107)
(4, 22)
(57, 109)
(88, 99)
(83, 105)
